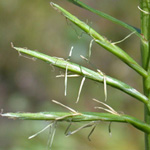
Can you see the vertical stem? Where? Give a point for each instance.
(145, 52)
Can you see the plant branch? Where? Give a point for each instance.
(117, 51)
(81, 117)
(145, 51)
(83, 71)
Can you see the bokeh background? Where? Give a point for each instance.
(29, 86)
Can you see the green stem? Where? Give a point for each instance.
(80, 117)
(145, 51)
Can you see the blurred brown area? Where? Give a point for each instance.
(29, 86)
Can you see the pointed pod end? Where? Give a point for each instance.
(12, 45)
(53, 5)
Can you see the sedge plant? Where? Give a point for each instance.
(77, 70)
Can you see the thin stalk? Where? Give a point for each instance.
(80, 117)
(145, 51)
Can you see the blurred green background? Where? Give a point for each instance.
(29, 86)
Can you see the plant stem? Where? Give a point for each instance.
(145, 51)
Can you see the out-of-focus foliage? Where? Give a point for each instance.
(27, 85)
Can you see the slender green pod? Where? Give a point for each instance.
(108, 17)
(117, 51)
(80, 117)
(83, 71)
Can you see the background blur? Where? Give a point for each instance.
(29, 86)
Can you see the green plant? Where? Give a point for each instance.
(98, 76)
